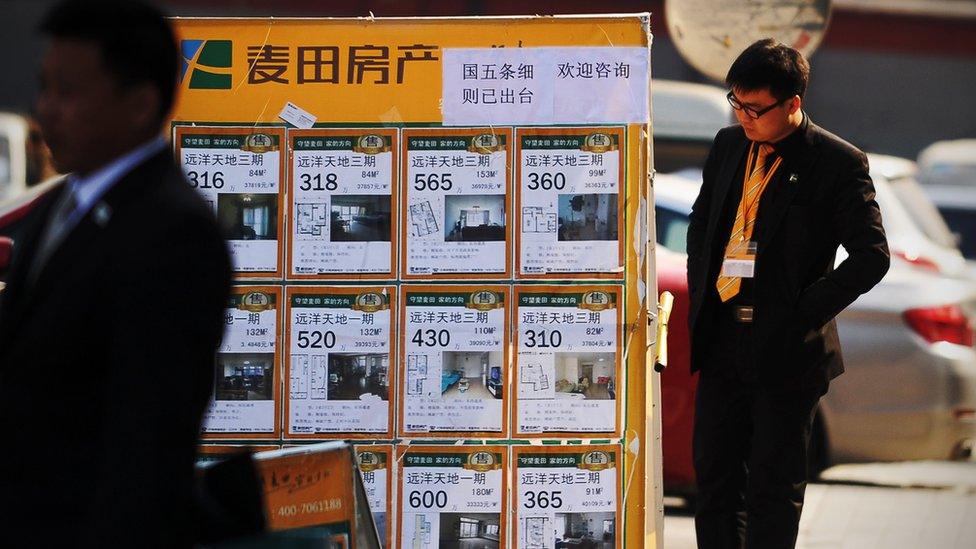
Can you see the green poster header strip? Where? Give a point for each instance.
(530, 299)
(434, 459)
(219, 141)
(333, 142)
(452, 299)
(559, 142)
(543, 459)
(254, 299)
(450, 142)
(342, 301)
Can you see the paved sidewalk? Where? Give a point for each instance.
(843, 516)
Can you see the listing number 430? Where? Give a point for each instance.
(431, 338)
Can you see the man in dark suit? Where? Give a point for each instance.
(114, 305)
(779, 196)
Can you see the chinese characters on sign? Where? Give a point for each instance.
(238, 171)
(568, 359)
(342, 197)
(375, 462)
(456, 213)
(313, 64)
(339, 361)
(246, 386)
(566, 493)
(544, 86)
(570, 206)
(454, 366)
(447, 493)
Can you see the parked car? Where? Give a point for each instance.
(922, 237)
(947, 172)
(910, 387)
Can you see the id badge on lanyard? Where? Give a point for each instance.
(740, 259)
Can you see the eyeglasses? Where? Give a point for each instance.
(753, 113)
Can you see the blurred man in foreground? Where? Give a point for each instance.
(114, 303)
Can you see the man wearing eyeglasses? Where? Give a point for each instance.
(779, 195)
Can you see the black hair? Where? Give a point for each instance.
(770, 64)
(136, 42)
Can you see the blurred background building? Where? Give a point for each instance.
(890, 75)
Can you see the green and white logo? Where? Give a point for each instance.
(206, 64)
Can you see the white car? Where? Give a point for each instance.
(921, 237)
(909, 391)
(947, 171)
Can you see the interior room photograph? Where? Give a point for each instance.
(353, 375)
(585, 375)
(469, 531)
(245, 216)
(471, 375)
(585, 530)
(360, 218)
(244, 376)
(587, 217)
(474, 218)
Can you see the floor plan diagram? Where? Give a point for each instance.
(535, 219)
(311, 219)
(299, 377)
(534, 375)
(416, 374)
(535, 532)
(423, 220)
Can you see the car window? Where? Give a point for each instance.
(672, 229)
(924, 213)
(671, 155)
(962, 221)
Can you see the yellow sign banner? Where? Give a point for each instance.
(359, 70)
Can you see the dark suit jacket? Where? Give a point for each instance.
(106, 365)
(819, 199)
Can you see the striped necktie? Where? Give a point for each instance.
(753, 185)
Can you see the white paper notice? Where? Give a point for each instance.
(296, 116)
(238, 172)
(570, 206)
(341, 201)
(375, 468)
(568, 353)
(454, 359)
(447, 494)
(245, 385)
(558, 85)
(456, 208)
(567, 492)
(339, 363)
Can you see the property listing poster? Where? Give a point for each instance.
(448, 494)
(376, 468)
(239, 172)
(338, 366)
(342, 190)
(454, 364)
(567, 496)
(570, 203)
(456, 214)
(247, 383)
(568, 359)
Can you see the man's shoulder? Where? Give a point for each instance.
(834, 146)
(730, 134)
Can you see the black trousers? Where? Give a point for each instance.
(750, 450)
